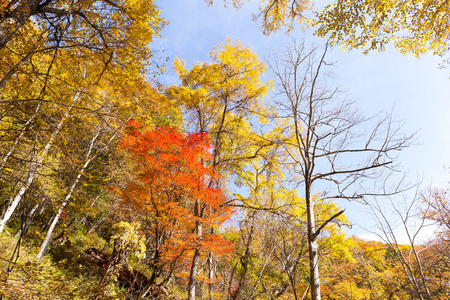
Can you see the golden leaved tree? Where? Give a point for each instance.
(414, 27)
(222, 98)
(66, 58)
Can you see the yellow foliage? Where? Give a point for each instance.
(414, 27)
(233, 76)
(224, 99)
(128, 236)
(276, 14)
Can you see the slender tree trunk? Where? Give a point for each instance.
(210, 266)
(196, 258)
(50, 232)
(211, 270)
(15, 68)
(193, 274)
(46, 225)
(313, 247)
(18, 197)
(291, 272)
(49, 235)
(244, 262)
(24, 228)
(261, 273)
(19, 137)
(33, 170)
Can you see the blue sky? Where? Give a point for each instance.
(417, 90)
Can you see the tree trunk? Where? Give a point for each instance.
(193, 274)
(46, 225)
(313, 247)
(210, 266)
(15, 68)
(29, 219)
(15, 19)
(196, 258)
(33, 170)
(50, 233)
(19, 137)
(18, 197)
(244, 262)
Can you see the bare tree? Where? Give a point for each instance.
(329, 145)
(401, 224)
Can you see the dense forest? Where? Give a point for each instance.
(225, 185)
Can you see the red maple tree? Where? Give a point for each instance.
(173, 175)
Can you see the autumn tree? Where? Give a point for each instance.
(58, 56)
(44, 107)
(93, 150)
(412, 27)
(276, 15)
(174, 199)
(70, 74)
(272, 255)
(400, 224)
(362, 269)
(330, 145)
(223, 98)
(112, 32)
(127, 242)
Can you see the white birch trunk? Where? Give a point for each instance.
(13, 147)
(196, 258)
(50, 232)
(33, 170)
(313, 247)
